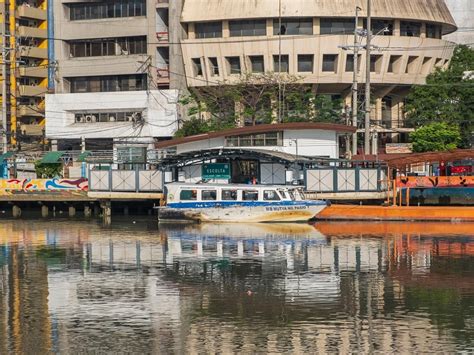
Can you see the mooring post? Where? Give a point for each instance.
(44, 211)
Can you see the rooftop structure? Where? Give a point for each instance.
(311, 40)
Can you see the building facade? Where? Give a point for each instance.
(463, 13)
(312, 40)
(25, 40)
(112, 73)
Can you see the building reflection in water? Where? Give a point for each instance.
(222, 288)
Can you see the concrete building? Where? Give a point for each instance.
(306, 38)
(25, 28)
(112, 77)
(463, 13)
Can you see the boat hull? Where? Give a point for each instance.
(247, 214)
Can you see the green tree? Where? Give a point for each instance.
(448, 96)
(48, 171)
(436, 137)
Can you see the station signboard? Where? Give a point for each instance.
(216, 171)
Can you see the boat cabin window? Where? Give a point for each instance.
(270, 195)
(208, 195)
(291, 194)
(249, 195)
(229, 195)
(188, 195)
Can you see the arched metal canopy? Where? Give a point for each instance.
(193, 157)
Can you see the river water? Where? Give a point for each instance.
(74, 287)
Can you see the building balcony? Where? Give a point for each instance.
(163, 75)
(32, 90)
(163, 37)
(31, 12)
(25, 31)
(34, 52)
(35, 72)
(32, 129)
(162, 3)
(24, 110)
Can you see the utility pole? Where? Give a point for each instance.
(4, 88)
(367, 81)
(355, 84)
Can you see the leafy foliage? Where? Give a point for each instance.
(48, 171)
(447, 97)
(254, 100)
(437, 136)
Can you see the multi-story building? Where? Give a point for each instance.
(25, 32)
(463, 13)
(311, 40)
(112, 73)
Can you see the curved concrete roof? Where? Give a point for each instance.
(211, 10)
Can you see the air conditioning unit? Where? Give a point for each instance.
(80, 119)
(91, 118)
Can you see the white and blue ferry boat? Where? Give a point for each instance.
(236, 203)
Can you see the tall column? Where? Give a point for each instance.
(107, 213)
(44, 211)
(16, 211)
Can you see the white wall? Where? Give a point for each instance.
(312, 142)
(159, 114)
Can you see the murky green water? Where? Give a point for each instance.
(74, 287)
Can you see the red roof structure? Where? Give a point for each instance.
(403, 160)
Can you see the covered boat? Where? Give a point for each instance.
(236, 203)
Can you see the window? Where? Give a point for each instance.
(394, 64)
(296, 26)
(188, 195)
(208, 195)
(350, 62)
(257, 63)
(305, 63)
(331, 26)
(281, 63)
(208, 30)
(229, 195)
(268, 139)
(270, 195)
(433, 31)
(330, 63)
(376, 63)
(214, 66)
(134, 82)
(107, 9)
(412, 65)
(410, 29)
(118, 116)
(248, 28)
(249, 195)
(197, 67)
(381, 27)
(233, 65)
(108, 47)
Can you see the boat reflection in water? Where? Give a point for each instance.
(332, 287)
